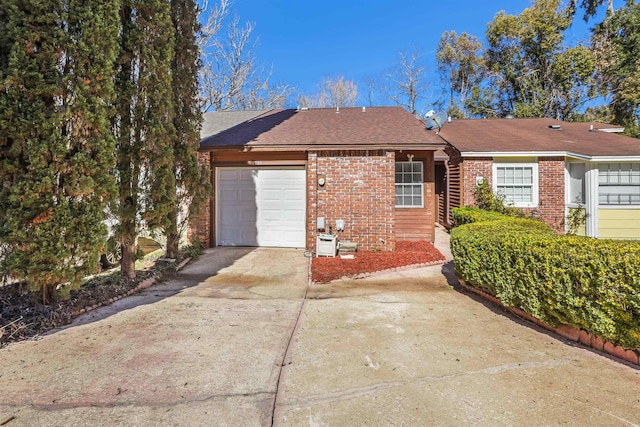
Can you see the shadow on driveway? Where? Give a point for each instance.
(208, 265)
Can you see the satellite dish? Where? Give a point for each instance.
(436, 121)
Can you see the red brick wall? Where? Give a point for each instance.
(200, 227)
(551, 182)
(470, 169)
(359, 189)
(551, 191)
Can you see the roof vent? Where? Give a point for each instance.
(611, 130)
(555, 127)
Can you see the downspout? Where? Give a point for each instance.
(591, 199)
(446, 199)
(213, 226)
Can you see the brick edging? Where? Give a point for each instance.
(141, 286)
(183, 263)
(569, 332)
(388, 270)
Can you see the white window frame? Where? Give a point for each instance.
(601, 166)
(535, 185)
(573, 203)
(412, 184)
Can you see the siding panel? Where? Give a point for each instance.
(417, 224)
(619, 223)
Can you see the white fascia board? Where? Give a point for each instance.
(603, 159)
(550, 154)
(524, 154)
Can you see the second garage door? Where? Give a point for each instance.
(261, 207)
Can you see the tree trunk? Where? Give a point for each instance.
(128, 261)
(173, 236)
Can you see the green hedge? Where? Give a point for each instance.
(587, 283)
(467, 215)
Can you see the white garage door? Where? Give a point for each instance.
(261, 207)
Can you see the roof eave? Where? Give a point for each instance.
(586, 157)
(615, 158)
(522, 154)
(312, 147)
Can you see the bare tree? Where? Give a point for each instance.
(334, 93)
(304, 101)
(407, 81)
(230, 77)
(342, 93)
(373, 87)
(211, 27)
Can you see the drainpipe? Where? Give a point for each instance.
(446, 199)
(591, 199)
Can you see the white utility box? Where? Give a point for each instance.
(326, 245)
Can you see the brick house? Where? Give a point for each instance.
(548, 167)
(278, 175)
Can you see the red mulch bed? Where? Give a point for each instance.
(326, 269)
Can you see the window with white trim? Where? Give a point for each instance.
(619, 184)
(576, 183)
(409, 183)
(518, 182)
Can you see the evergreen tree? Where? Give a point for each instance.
(191, 183)
(56, 150)
(531, 72)
(591, 7)
(617, 41)
(461, 69)
(143, 123)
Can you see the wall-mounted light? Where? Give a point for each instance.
(410, 157)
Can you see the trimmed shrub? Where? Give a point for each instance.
(488, 200)
(468, 215)
(586, 283)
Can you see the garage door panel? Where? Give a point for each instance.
(261, 207)
(246, 174)
(248, 195)
(293, 216)
(274, 215)
(247, 217)
(291, 194)
(271, 194)
(237, 237)
(228, 175)
(240, 218)
(286, 238)
(228, 195)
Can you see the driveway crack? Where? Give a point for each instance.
(76, 405)
(356, 392)
(286, 358)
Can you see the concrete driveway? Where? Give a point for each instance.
(239, 339)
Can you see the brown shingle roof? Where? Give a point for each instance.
(217, 121)
(534, 135)
(377, 127)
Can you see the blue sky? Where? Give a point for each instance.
(307, 40)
